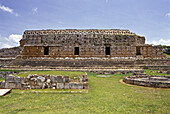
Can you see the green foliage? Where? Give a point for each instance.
(106, 95)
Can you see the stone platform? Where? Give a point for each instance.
(148, 81)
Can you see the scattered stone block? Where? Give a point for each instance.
(60, 79)
(2, 84)
(42, 79)
(9, 79)
(85, 85)
(79, 86)
(10, 85)
(67, 86)
(66, 79)
(60, 85)
(73, 85)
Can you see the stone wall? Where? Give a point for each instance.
(5, 61)
(10, 52)
(92, 62)
(43, 81)
(90, 43)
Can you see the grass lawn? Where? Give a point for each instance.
(71, 74)
(106, 95)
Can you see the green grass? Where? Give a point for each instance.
(106, 95)
(72, 74)
(8, 70)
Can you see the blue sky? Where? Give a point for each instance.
(149, 18)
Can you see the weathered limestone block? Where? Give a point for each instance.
(53, 79)
(73, 85)
(67, 86)
(85, 85)
(79, 86)
(2, 84)
(40, 84)
(9, 79)
(17, 79)
(19, 86)
(66, 79)
(32, 82)
(60, 85)
(32, 86)
(60, 79)
(42, 79)
(10, 85)
(22, 80)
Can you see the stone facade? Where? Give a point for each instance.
(90, 43)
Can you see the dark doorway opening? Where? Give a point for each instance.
(76, 50)
(138, 51)
(46, 50)
(107, 51)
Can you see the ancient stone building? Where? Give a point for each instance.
(90, 43)
(91, 48)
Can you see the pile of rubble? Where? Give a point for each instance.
(44, 81)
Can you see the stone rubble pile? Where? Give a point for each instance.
(43, 81)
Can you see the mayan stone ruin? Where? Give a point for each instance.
(42, 82)
(85, 44)
(89, 48)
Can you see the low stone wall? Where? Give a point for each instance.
(5, 61)
(127, 72)
(161, 64)
(164, 68)
(148, 81)
(43, 81)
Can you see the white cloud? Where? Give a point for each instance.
(11, 41)
(168, 14)
(160, 42)
(7, 9)
(34, 10)
(107, 1)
